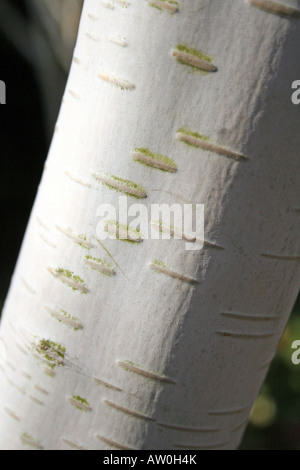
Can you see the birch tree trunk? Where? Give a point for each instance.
(169, 349)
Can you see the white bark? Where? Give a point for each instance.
(163, 363)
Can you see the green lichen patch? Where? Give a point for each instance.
(187, 132)
(80, 240)
(159, 263)
(184, 130)
(69, 278)
(80, 399)
(52, 353)
(28, 440)
(194, 58)
(80, 403)
(69, 274)
(157, 160)
(123, 232)
(122, 185)
(68, 316)
(71, 320)
(84, 243)
(169, 5)
(195, 52)
(197, 140)
(155, 5)
(99, 265)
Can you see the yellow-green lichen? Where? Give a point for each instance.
(28, 440)
(169, 162)
(69, 274)
(120, 230)
(69, 317)
(195, 52)
(159, 4)
(80, 399)
(82, 244)
(197, 60)
(159, 263)
(76, 283)
(51, 352)
(121, 185)
(80, 403)
(188, 132)
(154, 6)
(108, 271)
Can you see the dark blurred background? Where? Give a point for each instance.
(37, 38)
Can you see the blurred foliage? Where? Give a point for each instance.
(37, 38)
(36, 42)
(275, 418)
(43, 32)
